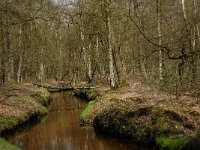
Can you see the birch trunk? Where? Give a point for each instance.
(84, 52)
(197, 27)
(111, 63)
(160, 39)
(42, 67)
(89, 66)
(20, 57)
(183, 9)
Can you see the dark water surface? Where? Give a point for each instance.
(60, 130)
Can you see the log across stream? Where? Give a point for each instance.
(61, 130)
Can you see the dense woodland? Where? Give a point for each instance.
(101, 41)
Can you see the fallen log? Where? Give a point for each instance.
(62, 88)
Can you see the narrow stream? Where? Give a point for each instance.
(60, 130)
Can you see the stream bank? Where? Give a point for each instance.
(146, 117)
(60, 130)
(19, 107)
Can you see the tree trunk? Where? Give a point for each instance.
(160, 39)
(197, 27)
(42, 68)
(20, 57)
(2, 51)
(10, 64)
(183, 9)
(19, 68)
(111, 64)
(89, 66)
(194, 57)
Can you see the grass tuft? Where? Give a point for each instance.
(170, 143)
(4, 145)
(87, 111)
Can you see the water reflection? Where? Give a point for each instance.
(60, 130)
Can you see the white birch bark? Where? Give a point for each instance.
(42, 67)
(89, 65)
(97, 48)
(197, 27)
(160, 39)
(183, 9)
(20, 57)
(111, 63)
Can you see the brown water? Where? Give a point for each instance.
(60, 130)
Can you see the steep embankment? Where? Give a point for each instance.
(20, 105)
(147, 117)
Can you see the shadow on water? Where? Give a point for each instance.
(60, 130)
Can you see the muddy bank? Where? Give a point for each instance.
(156, 120)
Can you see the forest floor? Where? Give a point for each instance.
(9, 94)
(146, 116)
(16, 100)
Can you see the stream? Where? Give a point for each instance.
(61, 130)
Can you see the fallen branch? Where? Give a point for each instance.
(64, 88)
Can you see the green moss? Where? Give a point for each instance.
(32, 102)
(124, 83)
(87, 111)
(4, 145)
(41, 95)
(170, 143)
(10, 122)
(25, 107)
(142, 134)
(42, 92)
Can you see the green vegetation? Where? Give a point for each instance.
(31, 104)
(4, 145)
(170, 143)
(35, 102)
(124, 83)
(84, 115)
(41, 95)
(24, 107)
(169, 125)
(10, 122)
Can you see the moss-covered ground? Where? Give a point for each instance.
(146, 117)
(4, 145)
(18, 106)
(85, 118)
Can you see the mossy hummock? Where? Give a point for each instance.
(31, 105)
(4, 145)
(162, 125)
